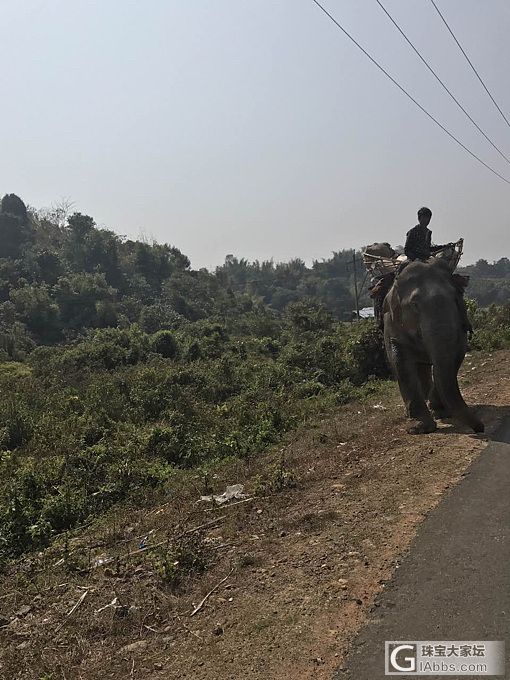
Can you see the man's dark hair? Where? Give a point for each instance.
(425, 211)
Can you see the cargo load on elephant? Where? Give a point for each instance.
(382, 263)
(381, 259)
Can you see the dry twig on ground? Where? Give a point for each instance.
(202, 602)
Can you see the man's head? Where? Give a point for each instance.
(424, 216)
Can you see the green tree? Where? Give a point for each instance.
(15, 230)
(164, 343)
(77, 296)
(38, 311)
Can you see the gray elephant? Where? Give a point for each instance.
(425, 340)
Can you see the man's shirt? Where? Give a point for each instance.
(418, 243)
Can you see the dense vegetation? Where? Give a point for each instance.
(120, 364)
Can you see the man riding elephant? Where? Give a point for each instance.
(419, 239)
(419, 246)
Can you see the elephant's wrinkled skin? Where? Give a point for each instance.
(426, 343)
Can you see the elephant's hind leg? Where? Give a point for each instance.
(429, 391)
(439, 409)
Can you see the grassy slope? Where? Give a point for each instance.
(335, 508)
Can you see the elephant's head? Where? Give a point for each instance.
(427, 299)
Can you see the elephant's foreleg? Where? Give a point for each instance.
(437, 404)
(445, 379)
(424, 372)
(410, 381)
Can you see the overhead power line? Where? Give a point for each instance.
(471, 153)
(470, 62)
(440, 81)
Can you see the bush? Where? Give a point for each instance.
(491, 326)
(17, 424)
(164, 343)
(364, 353)
(38, 311)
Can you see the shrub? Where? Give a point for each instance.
(308, 315)
(17, 421)
(164, 343)
(491, 326)
(364, 352)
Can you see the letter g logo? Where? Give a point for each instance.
(410, 659)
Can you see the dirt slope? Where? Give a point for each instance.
(294, 570)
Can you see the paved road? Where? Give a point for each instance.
(455, 582)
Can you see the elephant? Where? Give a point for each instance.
(426, 341)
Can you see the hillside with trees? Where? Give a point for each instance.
(121, 365)
(61, 275)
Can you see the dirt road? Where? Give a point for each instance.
(296, 570)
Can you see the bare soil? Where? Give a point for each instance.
(293, 570)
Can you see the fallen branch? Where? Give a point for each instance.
(113, 603)
(73, 610)
(157, 510)
(202, 526)
(104, 544)
(184, 533)
(201, 604)
(192, 632)
(14, 592)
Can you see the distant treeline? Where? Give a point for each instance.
(489, 283)
(61, 275)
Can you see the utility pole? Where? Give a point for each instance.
(356, 295)
(355, 283)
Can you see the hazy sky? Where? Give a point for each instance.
(254, 127)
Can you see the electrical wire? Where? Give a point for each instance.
(470, 62)
(440, 81)
(471, 153)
